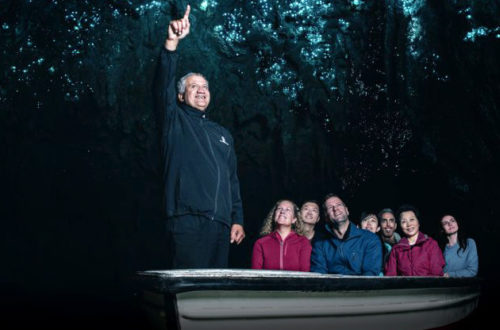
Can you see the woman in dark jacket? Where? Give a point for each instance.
(282, 247)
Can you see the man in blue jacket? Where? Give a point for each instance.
(342, 248)
(201, 188)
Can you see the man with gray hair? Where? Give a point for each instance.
(201, 189)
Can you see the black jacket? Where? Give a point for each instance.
(199, 162)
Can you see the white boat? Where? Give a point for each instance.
(273, 300)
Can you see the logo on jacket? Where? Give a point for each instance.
(223, 140)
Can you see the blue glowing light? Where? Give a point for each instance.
(479, 32)
(411, 7)
(204, 5)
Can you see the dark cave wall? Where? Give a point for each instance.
(345, 97)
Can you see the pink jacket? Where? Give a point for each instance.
(424, 258)
(271, 252)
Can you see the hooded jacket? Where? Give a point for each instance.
(360, 253)
(424, 258)
(199, 162)
(271, 252)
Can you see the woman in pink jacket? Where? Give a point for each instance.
(416, 254)
(283, 247)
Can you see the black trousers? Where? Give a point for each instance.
(197, 242)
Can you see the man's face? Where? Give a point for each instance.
(309, 213)
(370, 223)
(388, 224)
(197, 94)
(336, 210)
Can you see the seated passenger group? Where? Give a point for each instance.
(291, 242)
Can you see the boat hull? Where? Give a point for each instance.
(245, 299)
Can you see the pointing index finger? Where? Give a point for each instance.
(186, 14)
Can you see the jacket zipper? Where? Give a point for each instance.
(218, 172)
(281, 255)
(411, 261)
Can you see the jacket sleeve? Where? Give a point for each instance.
(305, 256)
(236, 204)
(372, 261)
(471, 262)
(318, 258)
(391, 265)
(257, 256)
(436, 259)
(164, 87)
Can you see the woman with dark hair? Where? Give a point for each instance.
(460, 253)
(282, 246)
(416, 254)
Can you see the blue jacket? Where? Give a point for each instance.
(358, 254)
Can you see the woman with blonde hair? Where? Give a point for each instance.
(282, 246)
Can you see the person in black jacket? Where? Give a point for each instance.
(201, 189)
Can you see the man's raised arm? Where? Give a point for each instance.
(177, 30)
(164, 81)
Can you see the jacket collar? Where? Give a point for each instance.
(396, 237)
(352, 231)
(421, 238)
(277, 236)
(193, 111)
